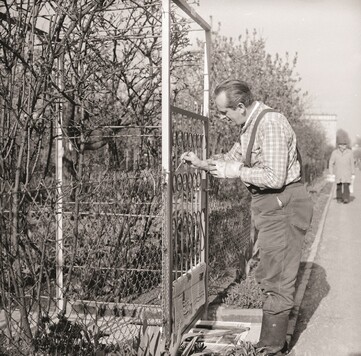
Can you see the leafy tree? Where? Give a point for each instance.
(272, 80)
(315, 151)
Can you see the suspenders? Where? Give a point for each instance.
(247, 161)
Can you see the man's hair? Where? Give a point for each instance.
(236, 92)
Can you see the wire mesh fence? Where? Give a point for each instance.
(99, 282)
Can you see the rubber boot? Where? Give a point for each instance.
(273, 335)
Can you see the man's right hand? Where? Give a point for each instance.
(192, 159)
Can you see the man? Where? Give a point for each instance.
(266, 160)
(342, 167)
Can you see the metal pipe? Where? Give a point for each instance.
(206, 80)
(188, 113)
(167, 177)
(59, 246)
(182, 4)
(132, 7)
(205, 144)
(110, 213)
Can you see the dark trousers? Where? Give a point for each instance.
(343, 191)
(281, 232)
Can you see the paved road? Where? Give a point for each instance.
(329, 322)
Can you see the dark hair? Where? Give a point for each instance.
(236, 92)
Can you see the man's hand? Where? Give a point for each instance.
(217, 168)
(192, 159)
(224, 169)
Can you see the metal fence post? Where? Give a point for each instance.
(206, 101)
(59, 191)
(167, 176)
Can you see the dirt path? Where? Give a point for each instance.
(329, 321)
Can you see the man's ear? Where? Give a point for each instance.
(242, 107)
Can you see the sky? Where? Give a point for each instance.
(326, 35)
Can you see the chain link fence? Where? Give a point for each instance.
(84, 278)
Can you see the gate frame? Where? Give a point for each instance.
(167, 169)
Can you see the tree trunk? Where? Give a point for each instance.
(18, 279)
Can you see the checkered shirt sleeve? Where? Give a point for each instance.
(234, 154)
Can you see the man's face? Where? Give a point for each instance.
(236, 115)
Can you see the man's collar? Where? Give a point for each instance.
(251, 114)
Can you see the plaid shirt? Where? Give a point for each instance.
(274, 156)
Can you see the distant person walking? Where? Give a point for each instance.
(342, 167)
